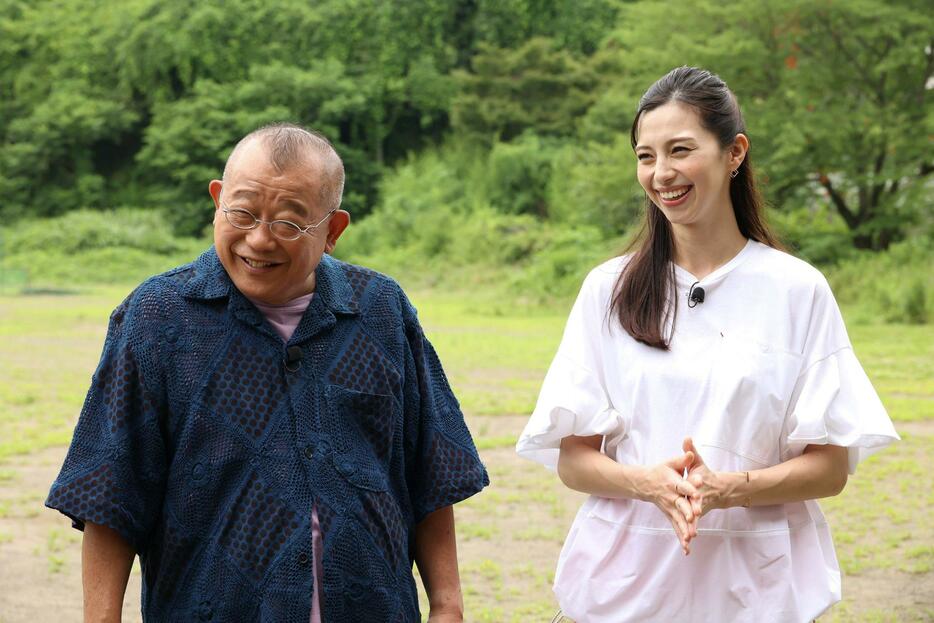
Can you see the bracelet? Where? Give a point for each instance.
(746, 502)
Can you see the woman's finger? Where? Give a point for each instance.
(687, 488)
(698, 504)
(684, 534)
(688, 446)
(686, 509)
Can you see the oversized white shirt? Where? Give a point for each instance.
(759, 370)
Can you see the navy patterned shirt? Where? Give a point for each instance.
(205, 441)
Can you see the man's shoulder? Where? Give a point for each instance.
(159, 293)
(370, 287)
(359, 275)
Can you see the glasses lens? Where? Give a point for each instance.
(285, 230)
(240, 218)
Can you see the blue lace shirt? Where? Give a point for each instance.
(205, 440)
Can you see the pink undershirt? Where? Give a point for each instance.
(284, 319)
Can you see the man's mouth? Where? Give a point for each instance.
(257, 263)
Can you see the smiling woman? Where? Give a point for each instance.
(719, 425)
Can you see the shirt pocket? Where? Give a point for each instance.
(750, 384)
(364, 431)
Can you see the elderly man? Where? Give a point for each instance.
(269, 428)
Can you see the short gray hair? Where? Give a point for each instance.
(289, 145)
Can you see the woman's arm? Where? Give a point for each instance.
(583, 467)
(821, 471)
(106, 560)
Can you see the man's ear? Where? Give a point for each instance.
(214, 187)
(336, 226)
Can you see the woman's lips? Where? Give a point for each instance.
(675, 197)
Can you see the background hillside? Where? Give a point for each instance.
(486, 141)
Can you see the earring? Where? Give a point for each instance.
(734, 173)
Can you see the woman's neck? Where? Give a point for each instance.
(701, 249)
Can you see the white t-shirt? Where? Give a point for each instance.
(759, 370)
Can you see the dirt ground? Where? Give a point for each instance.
(509, 539)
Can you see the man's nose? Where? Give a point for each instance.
(260, 237)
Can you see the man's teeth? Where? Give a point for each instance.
(256, 264)
(674, 194)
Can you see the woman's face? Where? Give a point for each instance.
(683, 168)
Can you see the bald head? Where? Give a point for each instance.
(291, 146)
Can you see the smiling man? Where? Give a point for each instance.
(269, 428)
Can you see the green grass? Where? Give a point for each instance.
(49, 347)
(496, 355)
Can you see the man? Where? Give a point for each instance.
(269, 428)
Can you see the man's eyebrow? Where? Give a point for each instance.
(249, 194)
(296, 206)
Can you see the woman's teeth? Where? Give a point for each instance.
(256, 264)
(674, 194)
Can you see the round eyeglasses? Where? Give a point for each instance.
(283, 230)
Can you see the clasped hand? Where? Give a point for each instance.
(682, 499)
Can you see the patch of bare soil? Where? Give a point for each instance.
(900, 595)
(509, 538)
(40, 553)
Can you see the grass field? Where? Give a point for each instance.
(509, 535)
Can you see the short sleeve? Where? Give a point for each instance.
(114, 472)
(833, 401)
(573, 399)
(443, 467)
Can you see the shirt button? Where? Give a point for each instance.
(303, 559)
(309, 451)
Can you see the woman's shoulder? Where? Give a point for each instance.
(789, 271)
(602, 278)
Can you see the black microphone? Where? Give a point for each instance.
(695, 295)
(293, 358)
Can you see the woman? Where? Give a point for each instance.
(705, 385)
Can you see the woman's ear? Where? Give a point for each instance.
(738, 151)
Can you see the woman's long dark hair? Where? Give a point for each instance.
(643, 298)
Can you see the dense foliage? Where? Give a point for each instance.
(475, 132)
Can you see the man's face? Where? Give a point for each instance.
(263, 267)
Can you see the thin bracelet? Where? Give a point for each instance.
(746, 503)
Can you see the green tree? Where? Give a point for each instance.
(577, 26)
(836, 95)
(89, 89)
(537, 87)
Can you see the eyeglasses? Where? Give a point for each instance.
(283, 230)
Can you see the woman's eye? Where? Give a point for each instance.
(680, 148)
(642, 157)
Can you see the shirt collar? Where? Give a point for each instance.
(211, 282)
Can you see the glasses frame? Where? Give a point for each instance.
(257, 221)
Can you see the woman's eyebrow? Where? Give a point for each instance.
(676, 139)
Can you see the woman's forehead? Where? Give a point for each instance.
(667, 122)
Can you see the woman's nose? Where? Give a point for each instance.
(664, 174)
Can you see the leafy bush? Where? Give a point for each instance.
(84, 230)
(87, 247)
(894, 286)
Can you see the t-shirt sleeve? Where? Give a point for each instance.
(833, 401)
(115, 470)
(573, 399)
(444, 466)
